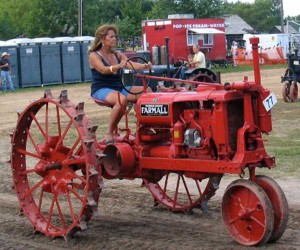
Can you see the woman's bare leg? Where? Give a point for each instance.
(117, 112)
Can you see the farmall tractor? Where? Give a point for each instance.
(184, 142)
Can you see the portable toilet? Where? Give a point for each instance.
(51, 72)
(12, 49)
(85, 43)
(29, 62)
(70, 59)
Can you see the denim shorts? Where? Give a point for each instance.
(101, 94)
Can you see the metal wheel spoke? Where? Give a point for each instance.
(187, 190)
(41, 199)
(38, 125)
(33, 142)
(26, 172)
(198, 187)
(47, 122)
(234, 220)
(257, 221)
(60, 214)
(71, 207)
(58, 121)
(50, 211)
(75, 193)
(59, 143)
(24, 152)
(166, 182)
(176, 190)
(80, 178)
(31, 190)
(73, 147)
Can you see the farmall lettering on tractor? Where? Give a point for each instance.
(185, 141)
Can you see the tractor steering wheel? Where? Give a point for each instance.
(135, 80)
(183, 61)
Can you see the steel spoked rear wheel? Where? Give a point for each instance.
(53, 164)
(180, 193)
(247, 213)
(279, 203)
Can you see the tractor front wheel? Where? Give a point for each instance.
(247, 213)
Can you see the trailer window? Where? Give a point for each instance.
(192, 38)
(208, 39)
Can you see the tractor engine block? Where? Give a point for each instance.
(195, 128)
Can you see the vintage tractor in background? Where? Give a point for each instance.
(182, 145)
(291, 78)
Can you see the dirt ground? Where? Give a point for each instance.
(128, 219)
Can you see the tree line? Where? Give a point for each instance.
(52, 18)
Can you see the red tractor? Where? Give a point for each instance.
(184, 142)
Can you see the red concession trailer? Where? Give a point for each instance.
(209, 33)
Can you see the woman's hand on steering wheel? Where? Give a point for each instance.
(135, 80)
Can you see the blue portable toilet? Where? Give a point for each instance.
(85, 43)
(12, 49)
(29, 62)
(70, 59)
(51, 72)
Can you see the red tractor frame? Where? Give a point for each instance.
(185, 141)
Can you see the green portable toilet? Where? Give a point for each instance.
(29, 62)
(70, 59)
(12, 49)
(50, 61)
(85, 43)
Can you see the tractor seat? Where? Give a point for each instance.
(102, 103)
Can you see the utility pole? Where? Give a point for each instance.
(281, 16)
(79, 17)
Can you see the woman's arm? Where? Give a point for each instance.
(96, 63)
(134, 65)
(139, 66)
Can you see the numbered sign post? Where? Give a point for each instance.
(270, 101)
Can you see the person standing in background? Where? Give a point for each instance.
(234, 52)
(5, 72)
(198, 61)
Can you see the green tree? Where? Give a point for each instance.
(209, 8)
(200, 8)
(262, 15)
(131, 18)
(41, 17)
(98, 12)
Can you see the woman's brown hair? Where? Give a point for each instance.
(100, 33)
